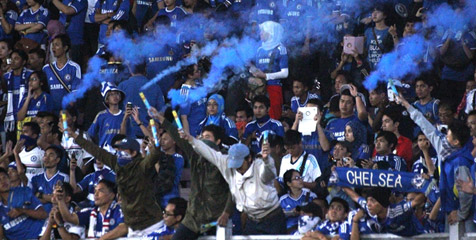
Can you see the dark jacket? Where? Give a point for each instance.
(210, 194)
(164, 179)
(134, 181)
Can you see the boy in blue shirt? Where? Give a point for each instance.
(262, 122)
(425, 103)
(108, 122)
(67, 70)
(384, 145)
(391, 218)
(43, 184)
(192, 113)
(301, 95)
(22, 215)
(173, 12)
(376, 38)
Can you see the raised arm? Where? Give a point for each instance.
(90, 147)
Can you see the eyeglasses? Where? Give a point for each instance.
(297, 178)
(168, 214)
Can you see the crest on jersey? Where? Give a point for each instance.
(401, 10)
(34, 158)
(67, 77)
(171, 52)
(272, 4)
(111, 222)
(37, 17)
(298, 7)
(174, 16)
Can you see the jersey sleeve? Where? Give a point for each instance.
(78, 5)
(44, 17)
(94, 128)
(21, 18)
(12, 17)
(35, 202)
(97, 7)
(123, 11)
(283, 58)
(83, 184)
(84, 216)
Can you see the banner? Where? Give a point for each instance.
(400, 181)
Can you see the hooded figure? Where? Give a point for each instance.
(219, 119)
(271, 34)
(360, 150)
(106, 88)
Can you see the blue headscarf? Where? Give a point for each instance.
(215, 119)
(360, 137)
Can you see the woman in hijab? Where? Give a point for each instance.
(272, 64)
(215, 116)
(355, 134)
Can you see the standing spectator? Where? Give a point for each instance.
(72, 15)
(164, 180)
(7, 20)
(64, 75)
(43, 184)
(134, 180)
(192, 113)
(378, 39)
(216, 116)
(169, 147)
(108, 122)
(131, 87)
(105, 220)
(106, 11)
(251, 184)
(32, 21)
(27, 152)
(299, 160)
(171, 10)
(263, 122)
(272, 65)
(22, 215)
(16, 81)
(37, 99)
(201, 208)
(173, 214)
(426, 103)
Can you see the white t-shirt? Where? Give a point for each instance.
(311, 170)
(33, 161)
(71, 147)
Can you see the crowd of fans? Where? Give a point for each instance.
(259, 148)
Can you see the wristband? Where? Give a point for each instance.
(60, 225)
(139, 124)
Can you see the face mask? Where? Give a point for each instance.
(123, 158)
(241, 125)
(29, 141)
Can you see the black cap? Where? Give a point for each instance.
(127, 143)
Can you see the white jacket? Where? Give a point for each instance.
(252, 192)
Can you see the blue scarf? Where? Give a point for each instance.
(400, 181)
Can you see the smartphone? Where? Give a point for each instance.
(129, 105)
(9, 61)
(60, 184)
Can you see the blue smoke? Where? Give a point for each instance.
(92, 78)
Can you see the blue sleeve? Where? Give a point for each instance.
(160, 101)
(344, 230)
(280, 131)
(123, 12)
(94, 128)
(48, 105)
(283, 59)
(231, 129)
(20, 18)
(22, 101)
(322, 228)
(11, 18)
(96, 7)
(364, 152)
(35, 202)
(85, 182)
(34, 185)
(294, 106)
(43, 18)
(185, 109)
(79, 5)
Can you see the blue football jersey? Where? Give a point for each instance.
(43, 103)
(289, 203)
(336, 128)
(71, 76)
(195, 111)
(110, 6)
(296, 103)
(40, 16)
(21, 227)
(91, 180)
(273, 126)
(14, 84)
(270, 61)
(40, 183)
(105, 126)
(103, 224)
(175, 15)
(75, 23)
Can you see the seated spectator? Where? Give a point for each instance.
(427, 160)
(36, 59)
(348, 100)
(27, 152)
(263, 122)
(22, 215)
(56, 226)
(299, 160)
(391, 122)
(384, 146)
(216, 116)
(316, 143)
(354, 134)
(90, 181)
(37, 98)
(43, 184)
(17, 179)
(105, 220)
(296, 197)
(310, 217)
(390, 218)
(243, 115)
(173, 214)
(301, 95)
(32, 21)
(337, 214)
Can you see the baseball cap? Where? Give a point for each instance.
(237, 154)
(128, 143)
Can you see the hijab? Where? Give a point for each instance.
(275, 31)
(360, 137)
(215, 119)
